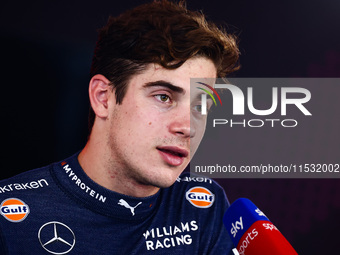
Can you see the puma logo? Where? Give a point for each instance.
(122, 202)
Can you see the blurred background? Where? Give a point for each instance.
(46, 52)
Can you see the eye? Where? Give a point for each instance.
(198, 108)
(163, 98)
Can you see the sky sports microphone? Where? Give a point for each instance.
(251, 231)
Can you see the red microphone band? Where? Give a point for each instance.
(265, 237)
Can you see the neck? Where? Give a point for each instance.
(103, 169)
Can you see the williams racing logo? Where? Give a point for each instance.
(14, 210)
(200, 197)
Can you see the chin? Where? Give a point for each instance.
(165, 185)
(162, 178)
(163, 182)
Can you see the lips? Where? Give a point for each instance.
(172, 155)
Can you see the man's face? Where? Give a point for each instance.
(150, 137)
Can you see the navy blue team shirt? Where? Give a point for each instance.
(58, 209)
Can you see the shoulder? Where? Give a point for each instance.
(26, 182)
(202, 202)
(23, 193)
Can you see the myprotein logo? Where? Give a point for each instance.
(240, 100)
(77, 181)
(200, 197)
(14, 210)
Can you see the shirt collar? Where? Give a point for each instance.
(73, 180)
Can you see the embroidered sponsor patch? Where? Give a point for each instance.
(14, 209)
(200, 197)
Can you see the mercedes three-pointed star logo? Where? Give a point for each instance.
(56, 238)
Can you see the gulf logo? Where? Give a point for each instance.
(14, 210)
(200, 197)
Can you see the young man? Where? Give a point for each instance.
(124, 192)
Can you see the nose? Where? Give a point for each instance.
(183, 129)
(180, 124)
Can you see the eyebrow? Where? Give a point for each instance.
(166, 84)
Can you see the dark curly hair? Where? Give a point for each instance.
(161, 32)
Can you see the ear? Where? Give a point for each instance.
(101, 95)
